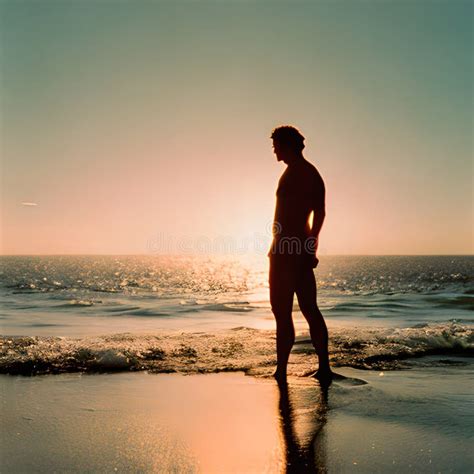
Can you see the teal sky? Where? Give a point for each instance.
(125, 122)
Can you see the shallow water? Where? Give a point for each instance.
(419, 420)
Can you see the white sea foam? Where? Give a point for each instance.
(241, 348)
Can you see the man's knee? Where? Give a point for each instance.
(311, 312)
(285, 327)
(282, 315)
(281, 302)
(308, 307)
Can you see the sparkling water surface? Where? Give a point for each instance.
(181, 313)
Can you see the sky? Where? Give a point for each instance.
(143, 127)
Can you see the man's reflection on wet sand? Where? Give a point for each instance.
(305, 453)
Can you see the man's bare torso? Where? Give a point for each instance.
(300, 191)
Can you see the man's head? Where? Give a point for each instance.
(287, 143)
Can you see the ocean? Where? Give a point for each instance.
(194, 314)
(94, 348)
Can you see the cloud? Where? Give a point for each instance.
(29, 204)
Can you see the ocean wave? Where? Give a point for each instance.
(460, 301)
(78, 303)
(146, 312)
(367, 306)
(242, 348)
(233, 306)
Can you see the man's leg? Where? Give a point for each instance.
(282, 288)
(307, 300)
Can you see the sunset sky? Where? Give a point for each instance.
(128, 124)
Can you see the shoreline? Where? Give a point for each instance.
(229, 422)
(238, 349)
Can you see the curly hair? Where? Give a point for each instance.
(288, 135)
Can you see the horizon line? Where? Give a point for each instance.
(230, 255)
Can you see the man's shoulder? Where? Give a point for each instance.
(313, 172)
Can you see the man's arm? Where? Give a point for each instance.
(318, 220)
(319, 214)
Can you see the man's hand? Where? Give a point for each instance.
(310, 247)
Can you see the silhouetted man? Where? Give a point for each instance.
(292, 255)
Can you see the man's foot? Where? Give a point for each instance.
(324, 376)
(279, 375)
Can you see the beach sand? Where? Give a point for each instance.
(399, 421)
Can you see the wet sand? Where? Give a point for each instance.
(399, 421)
